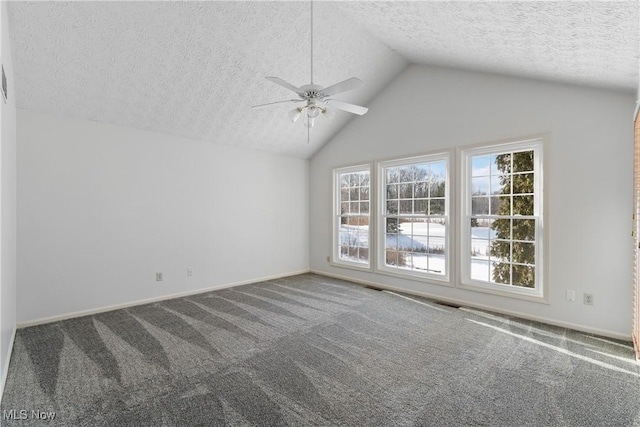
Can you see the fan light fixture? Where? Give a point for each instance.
(317, 98)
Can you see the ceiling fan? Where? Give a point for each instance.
(315, 100)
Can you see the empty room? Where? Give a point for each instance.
(320, 213)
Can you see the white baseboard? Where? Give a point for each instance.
(82, 313)
(562, 324)
(5, 371)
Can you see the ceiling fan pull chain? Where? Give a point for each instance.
(311, 32)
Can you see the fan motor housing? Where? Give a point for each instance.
(311, 92)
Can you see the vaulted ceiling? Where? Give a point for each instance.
(194, 69)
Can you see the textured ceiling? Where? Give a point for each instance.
(194, 69)
(584, 42)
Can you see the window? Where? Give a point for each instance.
(351, 219)
(414, 220)
(501, 238)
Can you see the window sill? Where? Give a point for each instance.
(351, 266)
(526, 294)
(410, 275)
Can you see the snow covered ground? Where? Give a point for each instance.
(415, 240)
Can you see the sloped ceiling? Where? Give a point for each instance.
(194, 69)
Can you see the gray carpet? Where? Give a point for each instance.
(309, 350)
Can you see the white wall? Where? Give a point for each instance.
(103, 208)
(7, 208)
(588, 175)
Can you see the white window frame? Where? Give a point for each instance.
(539, 292)
(336, 216)
(381, 216)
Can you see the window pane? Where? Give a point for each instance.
(524, 229)
(354, 207)
(523, 205)
(479, 248)
(503, 183)
(479, 186)
(421, 190)
(421, 172)
(392, 225)
(406, 174)
(392, 175)
(344, 252)
(435, 264)
(500, 250)
(479, 206)
(391, 258)
(344, 208)
(419, 261)
(436, 207)
(523, 161)
(421, 206)
(407, 260)
(392, 191)
(392, 207)
(438, 170)
(482, 228)
(524, 253)
(500, 184)
(523, 183)
(501, 205)
(494, 164)
(404, 226)
(364, 207)
(405, 191)
(480, 166)
(364, 193)
(437, 188)
(479, 270)
(501, 229)
(502, 163)
(354, 194)
(419, 244)
(406, 207)
(523, 276)
(501, 273)
(392, 241)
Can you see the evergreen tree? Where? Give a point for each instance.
(514, 237)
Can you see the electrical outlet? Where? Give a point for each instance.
(158, 277)
(571, 296)
(189, 271)
(588, 299)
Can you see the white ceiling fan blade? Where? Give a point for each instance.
(277, 102)
(345, 106)
(343, 86)
(284, 84)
